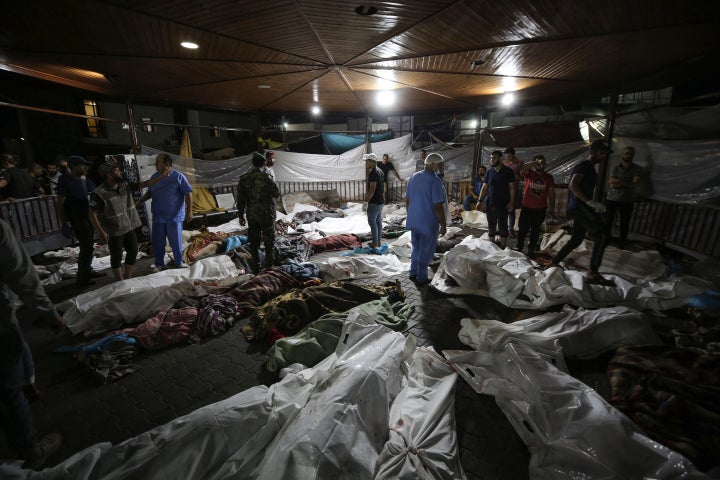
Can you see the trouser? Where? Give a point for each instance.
(585, 220)
(266, 234)
(374, 215)
(531, 220)
(423, 251)
(83, 231)
(518, 204)
(15, 415)
(625, 209)
(116, 245)
(469, 202)
(497, 221)
(173, 232)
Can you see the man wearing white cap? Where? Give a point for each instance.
(424, 199)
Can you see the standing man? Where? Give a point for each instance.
(256, 199)
(514, 164)
(52, 178)
(587, 213)
(538, 200)
(17, 274)
(621, 195)
(15, 183)
(420, 164)
(387, 166)
(499, 188)
(113, 213)
(73, 192)
(171, 204)
(424, 199)
(37, 173)
(269, 162)
(473, 195)
(375, 198)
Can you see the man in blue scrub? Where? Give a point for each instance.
(424, 200)
(171, 204)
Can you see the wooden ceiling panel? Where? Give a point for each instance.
(244, 94)
(558, 47)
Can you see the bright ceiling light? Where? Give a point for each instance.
(285, 125)
(190, 45)
(263, 86)
(315, 110)
(473, 123)
(508, 99)
(385, 98)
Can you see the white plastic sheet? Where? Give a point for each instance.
(477, 266)
(571, 432)
(294, 167)
(135, 300)
(329, 422)
(361, 266)
(579, 333)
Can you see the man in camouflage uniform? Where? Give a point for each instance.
(256, 200)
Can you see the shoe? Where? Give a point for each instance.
(597, 279)
(422, 283)
(182, 265)
(38, 453)
(84, 282)
(157, 268)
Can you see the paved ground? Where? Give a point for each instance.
(176, 381)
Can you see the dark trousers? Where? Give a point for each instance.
(258, 233)
(531, 220)
(497, 218)
(15, 415)
(625, 209)
(586, 220)
(116, 245)
(83, 231)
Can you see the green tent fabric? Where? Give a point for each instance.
(318, 339)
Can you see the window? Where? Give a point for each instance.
(95, 127)
(147, 125)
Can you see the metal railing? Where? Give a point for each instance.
(695, 228)
(31, 217)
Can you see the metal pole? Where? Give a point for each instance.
(602, 181)
(135, 147)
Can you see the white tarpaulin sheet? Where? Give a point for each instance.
(579, 333)
(477, 266)
(361, 266)
(571, 431)
(294, 167)
(376, 408)
(135, 300)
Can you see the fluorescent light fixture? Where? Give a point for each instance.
(263, 85)
(385, 98)
(315, 110)
(190, 45)
(473, 123)
(508, 99)
(285, 125)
